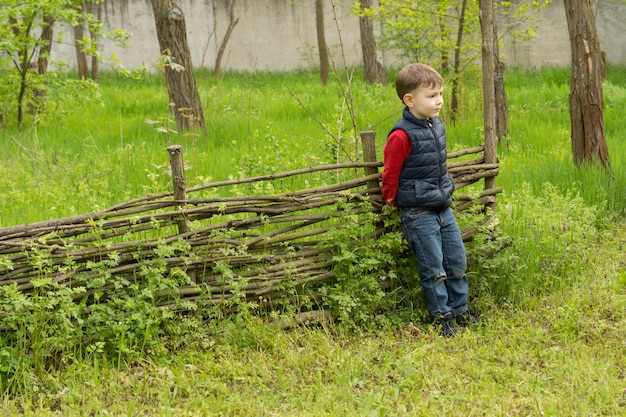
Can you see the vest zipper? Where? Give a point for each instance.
(430, 125)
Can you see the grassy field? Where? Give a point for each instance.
(551, 286)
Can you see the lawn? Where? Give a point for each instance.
(550, 284)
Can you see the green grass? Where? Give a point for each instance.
(560, 354)
(539, 148)
(551, 283)
(255, 124)
(266, 123)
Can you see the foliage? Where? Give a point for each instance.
(28, 88)
(549, 280)
(537, 247)
(362, 264)
(423, 31)
(528, 359)
(519, 19)
(427, 31)
(445, 34)
(43, 327)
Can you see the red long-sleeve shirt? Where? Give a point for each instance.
(397, 150)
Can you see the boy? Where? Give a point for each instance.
(416, 181)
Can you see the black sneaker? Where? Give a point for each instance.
(446, 325)
(467, 319)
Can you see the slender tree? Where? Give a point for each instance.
(95, 8)
(81, 56)
(373, 70)
(487, 22)
(502, 112)
(87, 38)
(232, 22)
(47, 34)
(179, 77)
(454, 105)
(586, 102)
(26, 30)
(322, 47)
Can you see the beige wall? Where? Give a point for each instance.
(279, 35)
(551, 46)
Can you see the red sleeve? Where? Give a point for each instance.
(397, 149)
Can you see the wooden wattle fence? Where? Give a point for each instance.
(220, 244)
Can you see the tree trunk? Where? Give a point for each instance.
(231, 26)
(502, 111)
(81, 57)
(487, 24)
(22, 63)
(374, 72)
(47, 34)
(179, 77)
(586, 101)
(454, 104)
(446, 35)
(96, 10)
(322, 47)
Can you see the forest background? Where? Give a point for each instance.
(550, 283)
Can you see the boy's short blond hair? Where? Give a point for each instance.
(414, 75)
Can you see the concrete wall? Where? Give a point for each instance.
(279, 35)
(552, 47)
(276, 35)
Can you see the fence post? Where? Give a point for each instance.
(175, 153)
(368, 139)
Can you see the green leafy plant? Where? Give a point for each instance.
(362, 264)
(39, 330)
(537, 246)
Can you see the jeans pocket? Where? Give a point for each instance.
(412, 213)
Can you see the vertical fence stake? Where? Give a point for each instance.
(177, 166)
(175, 153)
(368, 139)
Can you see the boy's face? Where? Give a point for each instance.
(424, 102)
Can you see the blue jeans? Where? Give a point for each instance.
(435, 238)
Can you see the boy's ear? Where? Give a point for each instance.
(407, 99)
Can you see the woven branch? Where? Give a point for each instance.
(468, 151)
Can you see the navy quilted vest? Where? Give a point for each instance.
(424, 179)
